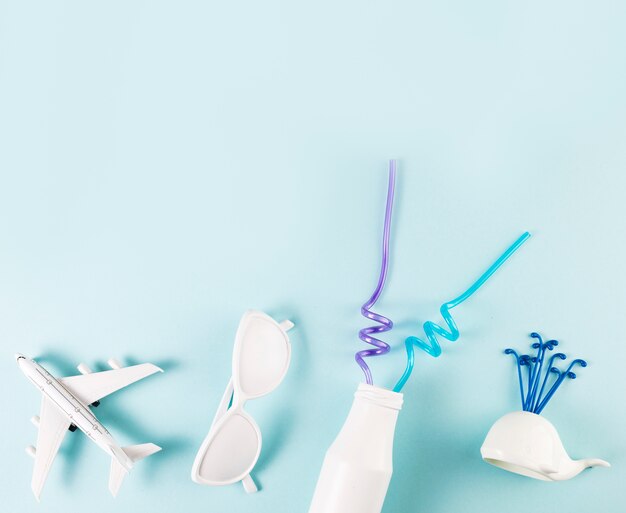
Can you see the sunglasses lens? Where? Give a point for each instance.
(263, 356)
(233, 451)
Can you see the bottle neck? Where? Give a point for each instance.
(378, 396)
(368, 432)
(374, 410)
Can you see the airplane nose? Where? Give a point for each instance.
(19, 356)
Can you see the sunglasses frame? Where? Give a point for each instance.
(233, 402)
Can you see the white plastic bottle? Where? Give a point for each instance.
(358, 465)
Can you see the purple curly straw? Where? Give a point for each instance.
(385, 324)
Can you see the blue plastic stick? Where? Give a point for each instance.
(534, 384)
(562, 375)
(431, 329)
(533, 372)
(545, 379)
(550, 345)
(528, 360)
(533, 399)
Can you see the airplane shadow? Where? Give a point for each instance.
(70, 450)
(167, 365)
(60, 365)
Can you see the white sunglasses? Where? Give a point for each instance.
(261, 358)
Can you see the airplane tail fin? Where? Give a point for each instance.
(131, 454)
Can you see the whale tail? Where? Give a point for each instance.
(572, 468)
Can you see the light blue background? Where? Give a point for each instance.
(167, 165)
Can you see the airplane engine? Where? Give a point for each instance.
(114, 363)
(83, 368)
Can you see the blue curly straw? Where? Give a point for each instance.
(432, 329)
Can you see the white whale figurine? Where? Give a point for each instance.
(528, 444)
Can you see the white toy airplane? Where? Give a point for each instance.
(65, 406)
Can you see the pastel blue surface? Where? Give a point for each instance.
(167, 165)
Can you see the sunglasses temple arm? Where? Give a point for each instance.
(249, 485)
(286, 325)
(224, 403)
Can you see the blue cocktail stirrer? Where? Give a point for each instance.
(531, 392)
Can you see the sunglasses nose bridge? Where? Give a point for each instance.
(239, 397)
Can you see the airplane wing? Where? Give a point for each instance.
(90, 388)
(53, 426)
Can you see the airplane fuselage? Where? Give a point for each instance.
(78, 413)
